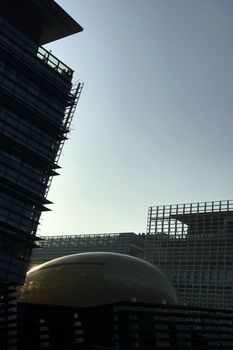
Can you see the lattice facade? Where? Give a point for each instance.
(192, 244)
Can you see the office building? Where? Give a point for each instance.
(192, 244)
(52, 247)
(38, 100)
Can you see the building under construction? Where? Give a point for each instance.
(38, 100)
(37, 103)
(192, 244)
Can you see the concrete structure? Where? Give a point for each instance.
(36, 108)
(124, 326)
(192, 244)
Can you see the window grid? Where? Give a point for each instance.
(192, 244)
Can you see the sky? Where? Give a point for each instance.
(154, 122)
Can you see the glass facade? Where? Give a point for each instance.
(36, 107)
(192, 244)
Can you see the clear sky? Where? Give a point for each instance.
(155, 119)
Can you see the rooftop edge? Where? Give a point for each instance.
(55, 22)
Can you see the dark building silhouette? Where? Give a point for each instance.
(124, 326)
(192, 244)
(37, 103)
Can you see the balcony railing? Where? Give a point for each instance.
(22, 43)
(53, 62)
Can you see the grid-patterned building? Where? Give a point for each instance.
(193, 245)
(37, 103)
(52, 247)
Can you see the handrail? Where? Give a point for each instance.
(53, 62)
(42, 53)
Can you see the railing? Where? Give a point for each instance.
(53, 62)
(23, 43)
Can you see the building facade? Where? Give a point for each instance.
(37, 104)
(124, 326)
(192, 244)
(52, 247)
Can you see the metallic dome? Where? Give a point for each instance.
(91, 279)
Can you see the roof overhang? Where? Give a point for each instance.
(54, 21)
(194, 217)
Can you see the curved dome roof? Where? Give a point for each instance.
(91, 279)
